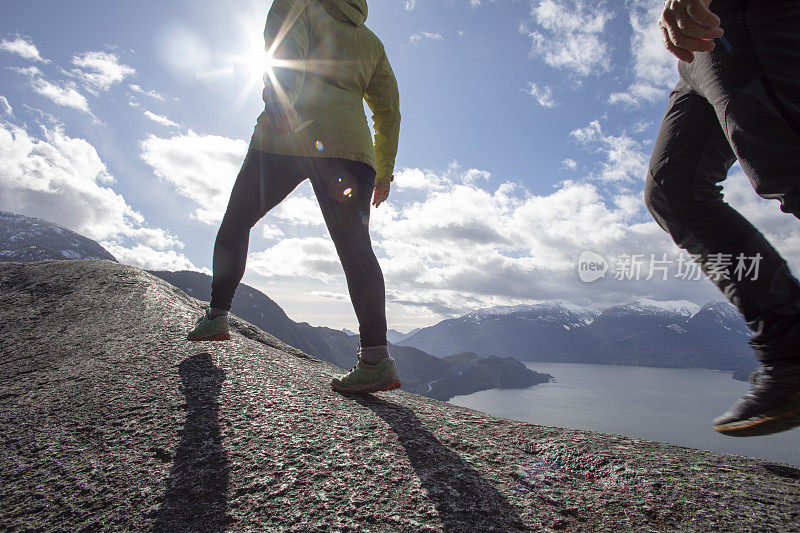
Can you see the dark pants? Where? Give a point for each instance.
(740, 101)
(344, 191)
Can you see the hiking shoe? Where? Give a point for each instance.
(205, 329)
(369, 378)
(771, 406)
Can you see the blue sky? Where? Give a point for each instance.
(527, 126)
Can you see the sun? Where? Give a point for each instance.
(258, 62)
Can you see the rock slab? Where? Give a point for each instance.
(111, 421)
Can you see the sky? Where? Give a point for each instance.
(527, 128)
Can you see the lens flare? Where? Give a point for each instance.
(320, 146)
(348, 192)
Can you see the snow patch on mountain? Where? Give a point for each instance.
(680, 307)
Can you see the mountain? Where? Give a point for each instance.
(470, 372)
(532, 331)
(394, 336)
(119, 424)
(417, 368)
(25, 239)
(645, 332)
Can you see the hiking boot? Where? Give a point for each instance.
(772, 405)
(205, 329)
(369, 378)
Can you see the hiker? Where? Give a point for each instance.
(738, 98)
(326, 62)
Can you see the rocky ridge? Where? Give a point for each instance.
(111, 421)
(25, 239)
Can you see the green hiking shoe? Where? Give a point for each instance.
(369, 378)
(218, 329)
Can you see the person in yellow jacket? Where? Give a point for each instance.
(325, 63)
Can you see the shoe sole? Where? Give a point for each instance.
(383, 386)
(220, 337)
(763, 426)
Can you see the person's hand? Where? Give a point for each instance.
(282, 120)
(380, 194)
(688, 26)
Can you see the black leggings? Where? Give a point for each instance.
(740, 101)
(344, 191)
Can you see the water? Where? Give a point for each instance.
(661, 404)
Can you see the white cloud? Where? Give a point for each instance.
(159, 119)
(625, 159)
(270, 231)
(309, 257)
(152, 94)
(542, 94)
(415, 178)
(100, 70)
(653, 68)
(65, 94)
(150, 259)
(571, 164)
(202, 168)
(5, 107)
(299, 210)
(23, 48)
(779, 227)
(569, 35)
(410, 5)
(328, 295)
(426, 35)
(473, 175)
(63, 179)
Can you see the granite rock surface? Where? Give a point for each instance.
(110, 420)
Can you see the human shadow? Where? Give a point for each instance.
(463, 499)
(197, 488)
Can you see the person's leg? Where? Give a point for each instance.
(691, 157)
(739, 78)
(730, 84)
(344, 191)
(263, 182)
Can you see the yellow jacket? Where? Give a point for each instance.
(327, 64)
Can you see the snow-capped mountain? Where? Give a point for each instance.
(643, 332)
(564, 313)
(719, 314)
(511, 329)
(25, 239)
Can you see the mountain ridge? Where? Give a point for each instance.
(644, 332)
(25, 239)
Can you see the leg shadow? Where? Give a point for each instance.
(464, 500)
(197, 488)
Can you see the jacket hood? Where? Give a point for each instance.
(352, 11)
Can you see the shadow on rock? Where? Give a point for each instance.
(464, 500)
(197, 488)
(782, 471)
